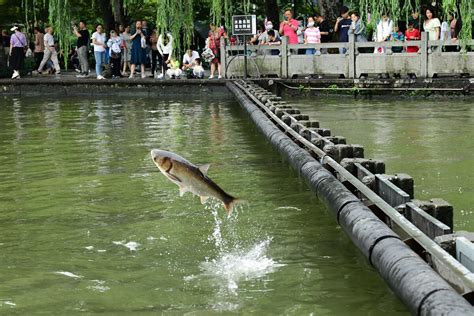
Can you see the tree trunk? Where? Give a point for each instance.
(119, 15)
(329, 9)
(107, 14)
(272, 12)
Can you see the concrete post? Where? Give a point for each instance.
(352, 53)
(284, 57)
(223, 57)
(423, 51)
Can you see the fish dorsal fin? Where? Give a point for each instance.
(204, 168)
(203, 199)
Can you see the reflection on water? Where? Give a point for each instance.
(89, 224)
(431, 140)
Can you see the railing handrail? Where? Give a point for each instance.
(423, 63)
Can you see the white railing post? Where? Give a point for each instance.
(352, 54)
(223, 57)
(424, 55)
(284, 57)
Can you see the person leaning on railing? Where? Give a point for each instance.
(342, 26)
(288, 27)
(383, 32)
(358, 29)
(412, 34)
(263, 38)
(273, 40)
(324, 29)
(312, 35)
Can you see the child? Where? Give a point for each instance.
(397, 36)
(173, 72)
(273, 40)
(312, 35)
(412, 34)
(198, 71)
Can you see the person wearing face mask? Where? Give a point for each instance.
(263, 38)
(312, 35)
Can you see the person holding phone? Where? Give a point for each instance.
(343, 23)
(138, 50)
(83, 38)
(289, 27)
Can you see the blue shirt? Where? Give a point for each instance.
(343, 29)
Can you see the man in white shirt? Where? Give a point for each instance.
(49, 52)
(189, 59)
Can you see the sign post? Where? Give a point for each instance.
(244, 25)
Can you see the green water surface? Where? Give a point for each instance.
(88, 225)
(432, 140)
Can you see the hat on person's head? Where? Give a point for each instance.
(14, 28)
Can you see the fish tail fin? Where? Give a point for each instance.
(230, 204)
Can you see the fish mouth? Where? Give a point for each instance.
(155, 154)
(161, 159)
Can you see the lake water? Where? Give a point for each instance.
(88, 224)
(429, 139)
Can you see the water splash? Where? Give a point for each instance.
(234, 263)
(241, 264)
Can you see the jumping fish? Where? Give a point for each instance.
(190, 178)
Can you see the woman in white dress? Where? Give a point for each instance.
(383, 32)
(431, 25)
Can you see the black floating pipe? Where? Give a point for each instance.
(422, 290)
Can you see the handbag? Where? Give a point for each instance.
(208, 55)
(114, 55)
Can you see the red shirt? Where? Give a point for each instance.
(414, 35)
(289, 31)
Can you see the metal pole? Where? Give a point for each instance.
(245, 57)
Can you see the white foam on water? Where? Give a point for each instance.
(99, 286)
(241, 264)
(235, 263)
(89, 247)
(131, 245)
(68, 274)
(294, 208)
(8, 303)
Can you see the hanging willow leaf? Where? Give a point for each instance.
(60, 20)
(465, 35)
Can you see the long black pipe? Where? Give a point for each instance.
(422, 290)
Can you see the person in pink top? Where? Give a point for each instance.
(289, 27)
(312, 35)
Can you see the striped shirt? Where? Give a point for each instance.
(312, 35)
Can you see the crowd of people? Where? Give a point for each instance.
(319, 30)
(123, 52)
(128, 51)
